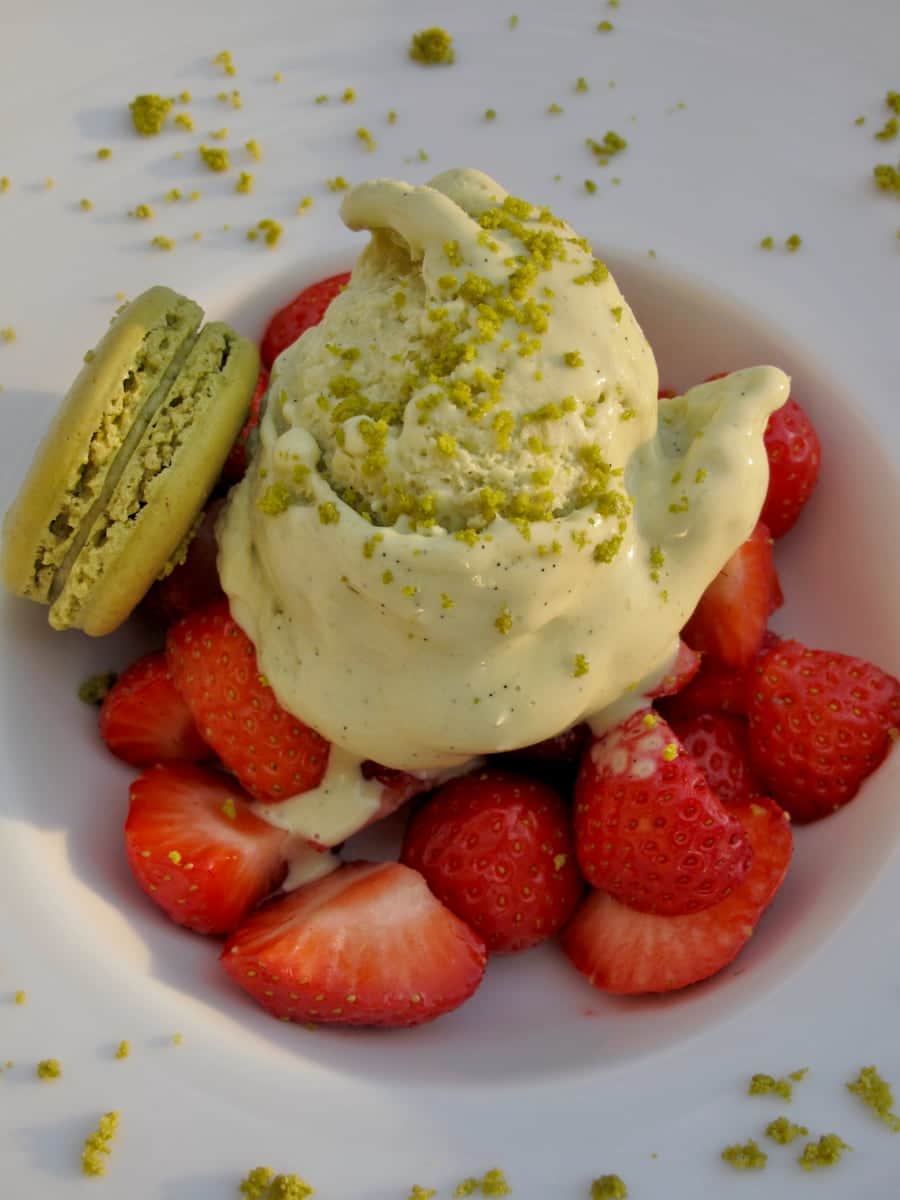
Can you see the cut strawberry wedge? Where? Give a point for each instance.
(192, 583)
(630, 953)
(367, 945)
(729, 623)
(198, 850)
(144, 720)
(716, 688)
(719, 744)
(679, 675)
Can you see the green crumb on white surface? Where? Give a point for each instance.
(123, 1050)
(877, 1095)
(141, 212)
(160, 242)
(581, 84)
(432, 47)
(338, 184)
(244, 183)
(504, 620)
(177, 1039)
(214, 157)
(745, 1156)
(590, 186)
(766, 243)
(609, 1187)
(263, 1184)
(826, 1152)
(95, 688)
(605, 26)
(492, 1183)
(490, 114)
(555, 110)
(348, 96)
(304, 205)
(6, 182)
(219, 134)
(254, 149)
(185, 121)
(97, 1145)
(149, 112)
(85, 205)
(225, 60)
(420, 1193)
(268, 230)
(580, 666)
(794, 242)
(783, 1131)
(20, 998)
(8, 335)
(365, 137)
(48, 1068)
(769, 1085)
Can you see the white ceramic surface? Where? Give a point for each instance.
(539, 1074)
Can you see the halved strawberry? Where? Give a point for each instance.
(367, 945)
(194, 582)
(629, 953)
(238, 456)
(719, 744)
(144, 720)
(716, 688)
(563, 751)
(730, 621)
(794, 453)
(820, 723)
(197, 849)
(679, 675)
(305, 310)
(648, 828)
(214, 666)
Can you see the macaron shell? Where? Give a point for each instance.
(115, 390)
(164, 486)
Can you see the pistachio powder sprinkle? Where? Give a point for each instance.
(745, 1156)
(263, 1184)
(826, 1152)
(609, 1187)
(783, 1131)
(877, 1095)
(149, 113)
(97, 1145)
(96, 688)
(432, 47)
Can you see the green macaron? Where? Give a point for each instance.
(122, 474)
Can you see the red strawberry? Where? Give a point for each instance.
(820, 723)
(144, 720)
(730, 621)
(629, 953)
(795, 454)
(214, 666)
(305, 310)
(648, 828)
(238, 455)
(718, 744)
(197, 849)
(666, 394)
(680, 674)
(715, 688)
(194, 582)
(367, 945)
(563, 750)
(497, 849)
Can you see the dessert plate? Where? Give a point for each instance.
(738, 128)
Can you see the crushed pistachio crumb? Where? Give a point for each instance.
(887, 178)
(328, 513)
(581, 84)
(263, 1184)
(826, 1152)
(876, 1094)
(766, 243)
(513, 21)
(224, 60)
(590, 187)
(419, 1193)
(96, 1145)
(572, 358)
(616, 311)
(49, 1068)
(228, 809)
(392, 116)
(142, 212)
(20, 997)
(305, 204)
(503, 621)
(103, 153)
(609, 1187)
(364, 136)
(580, 666)
(172, 195)
(746, 1157)
(794, 242)
(613, 143)
(219, 134)
(123, 1050)
(432, 47)
(338, 184)
(96, 688)
(185, 121)
(276, 77)
(783, 1131)
(555, 110)
(49, 183)
(765, 1085)
(214, 157)
(387, 577)
(163, 243)
(8, 334)
(892, 100)
(244, 183)
(269, 229)
(276, 499)
(148, 113)
(605, 26)
(888, 131)
(254, 149)
(177, 1039)
(322, 98)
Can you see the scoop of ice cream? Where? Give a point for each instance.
(463, 531)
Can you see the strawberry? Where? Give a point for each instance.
(666, 394)
(194, 582)
(794, 453)
(718, 744)
(239, 454)
(197, 849)
(683, 669)
(729, 623)
(629, 953)
(820, 723)
(715, 688)
(563, 750)
(214, 666)
(497, 849)
(366, 945)
(648, 828)
(305, 310)
(144, 720)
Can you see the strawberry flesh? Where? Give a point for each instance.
(719, 744)
(144, 720)
(795, 455)
(303, 312)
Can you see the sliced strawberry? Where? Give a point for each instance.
(680, 674)
(715, 688)
(795, 455)
(629, 953)
(730, 621)
(562, 751)
(239, 454)
(194, 582)
(214, 666)
(820, 723)
(197, 849)
(648, 828)
(144, 719)
(666, 394)
(497, 849)
(367, 945)
(720, 746)
(305, 310)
